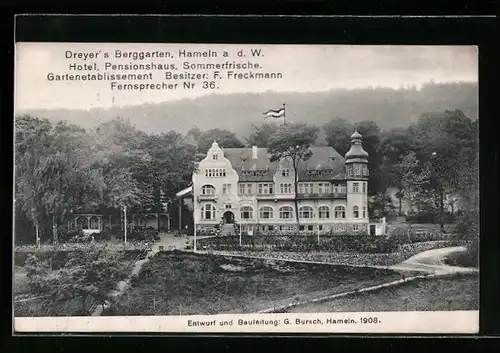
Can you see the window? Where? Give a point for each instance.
(355, 211)
(287, 228)
(285, 172)
(355, 187)
(364, 187)
(343, 189)
(227, 206)
(286, 188)
(246, 212)
(320, 227)
(355, 228)
(357, 171)
(226, 189)
(266, 212)
(207, 190)
(301, 227)
(306, 212)
(208, 211)
(364, 212)
(339, 212)
(215, 157)
(340, 227)
(349, 171)
(324, 212)
(245, 189)
(286, 212)
(321, 188)
(265, 189)
(215, 173)
(310, 227)
(305, 188)
(365, 171)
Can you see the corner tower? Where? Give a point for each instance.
(356, 164)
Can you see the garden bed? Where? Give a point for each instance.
(460, 292)
(178, 283)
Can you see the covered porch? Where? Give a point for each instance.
(90, 223)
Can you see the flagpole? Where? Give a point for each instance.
(284, 114)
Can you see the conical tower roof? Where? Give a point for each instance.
(356, 152)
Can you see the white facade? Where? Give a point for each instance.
(259, 197)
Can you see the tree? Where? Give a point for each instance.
(225, 139)
(380, 205)
(338, 132)
(90, 273)
(32, 141)
(292, 142)
(412, 178)
(262, 134)
(443, 141)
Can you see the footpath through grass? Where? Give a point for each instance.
(460, 292)
(177, 283)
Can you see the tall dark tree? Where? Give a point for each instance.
(338, 132)
(292, 142)
(225, 139)
(262, 134)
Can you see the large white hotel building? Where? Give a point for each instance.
(242, 186)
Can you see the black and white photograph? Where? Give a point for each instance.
(246, 188)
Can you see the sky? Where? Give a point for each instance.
(304, 68)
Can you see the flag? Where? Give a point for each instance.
(272, 113)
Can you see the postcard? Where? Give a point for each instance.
(245, 188)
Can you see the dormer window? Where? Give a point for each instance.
(285, 172)
(215, 156)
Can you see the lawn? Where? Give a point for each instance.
(434, 294)
(177, 283)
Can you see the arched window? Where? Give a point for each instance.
(355, 211)
(306, 212)
(266, 212)
(246, 212)
(94, 223)
(286, 212)
(339, 211)
(324, 212)
(285, 172)
(207, 190)
(208, 211)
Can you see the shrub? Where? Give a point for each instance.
(357, 243)
(144, 234)
(36, 273)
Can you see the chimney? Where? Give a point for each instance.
(255, 152)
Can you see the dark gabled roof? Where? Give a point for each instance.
(323, 159)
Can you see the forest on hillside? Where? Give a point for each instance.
(388, 107)
(61, 168)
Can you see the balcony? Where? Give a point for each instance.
(266, 196)
(324, 195)
(207, 197)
